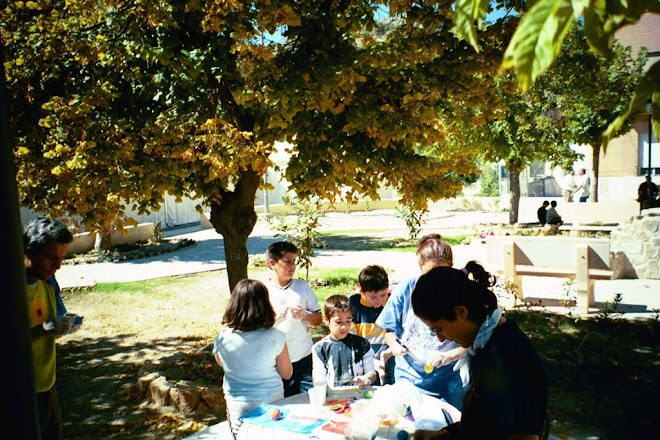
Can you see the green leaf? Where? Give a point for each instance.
(467, 12)
(649, 85)
(595, 29)
(537, 40)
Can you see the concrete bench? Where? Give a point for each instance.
(580, 259)
(577, 229)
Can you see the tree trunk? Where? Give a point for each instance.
(234, 218)
(514, 202)
(102, 242)
(595, 165)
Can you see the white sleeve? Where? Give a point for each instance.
(311, 300)
(319, 370)
(368, 362)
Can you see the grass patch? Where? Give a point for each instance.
(328, 282)
(365, 242)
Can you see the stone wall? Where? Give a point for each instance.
(635, 247)
(187, 396)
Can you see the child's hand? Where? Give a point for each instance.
(297, 312)
(77, 322)
(438, 360)
(398, 349)
(362, 381)
(379, 365)
(447, 357)
(280, 312)
(59, 326)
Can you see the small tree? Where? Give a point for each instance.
(413, 218)
(489, 182)
(302, 231)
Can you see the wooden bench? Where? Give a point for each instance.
(580, 259)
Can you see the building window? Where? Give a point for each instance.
(644, 154)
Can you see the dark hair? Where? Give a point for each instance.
(38, 232)
(249, 307)
(553, 203)
(439, 291)
(433, 247)
(373, 279)
(546, 203)
(335, 304)
(277, 250)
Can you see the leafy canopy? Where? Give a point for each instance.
(538, 39)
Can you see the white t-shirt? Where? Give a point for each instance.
(298, 335)
(248, 360)
(585, 182)
(568, 184)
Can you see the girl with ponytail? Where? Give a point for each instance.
(504, 385)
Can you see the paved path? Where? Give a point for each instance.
(640, 297)
(208, 252)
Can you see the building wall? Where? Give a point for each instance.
(621, 158)
(644, 33)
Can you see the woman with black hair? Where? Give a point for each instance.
(504, 385)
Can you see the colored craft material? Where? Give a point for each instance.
(402, 435)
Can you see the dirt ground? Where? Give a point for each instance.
(602, 375)
(98, 366)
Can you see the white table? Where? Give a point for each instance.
(364, 416)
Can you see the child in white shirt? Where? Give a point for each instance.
(296, 308)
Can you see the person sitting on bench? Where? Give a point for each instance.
(551, 216)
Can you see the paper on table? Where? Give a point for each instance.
(260, 416)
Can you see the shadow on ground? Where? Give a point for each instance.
(98, 393)
(602, 374)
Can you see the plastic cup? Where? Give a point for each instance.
(316, 396)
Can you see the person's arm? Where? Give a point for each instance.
(56, 328)
(395, 347)
(424, 434)
(311, 314)
(310, 318)
(218, 360)
(319, 369)
(369, 376)
(443, 358)
(390, 318)
(283, 363)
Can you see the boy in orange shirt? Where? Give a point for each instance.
(367, 305)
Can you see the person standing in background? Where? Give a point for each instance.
(647, 192)
(582, 191)
(568, 186)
